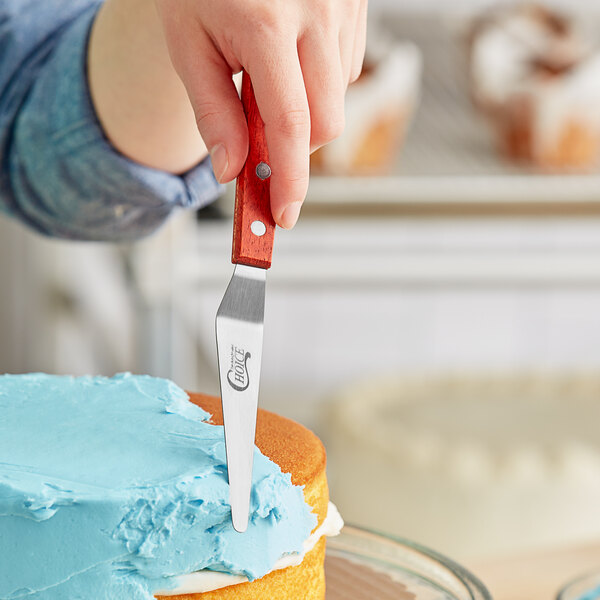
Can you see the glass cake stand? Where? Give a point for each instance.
(365, 565)
(583, 588)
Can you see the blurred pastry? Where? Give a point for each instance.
(379, 107)
(536, 75)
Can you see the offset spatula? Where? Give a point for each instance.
(241, 313)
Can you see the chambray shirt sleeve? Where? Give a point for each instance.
(59, 174)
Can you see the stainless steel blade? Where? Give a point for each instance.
(239, 327)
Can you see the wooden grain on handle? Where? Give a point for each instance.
(252, 195)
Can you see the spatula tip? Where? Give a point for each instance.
(240, 520)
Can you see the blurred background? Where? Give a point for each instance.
(435, 315)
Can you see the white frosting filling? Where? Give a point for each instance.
(502, 54)
(207, 581)
(501, 71)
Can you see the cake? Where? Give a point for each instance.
(536, 76)
(378, 109)
(474, 466)
(116, 488)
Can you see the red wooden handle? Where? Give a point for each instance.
(253, 224)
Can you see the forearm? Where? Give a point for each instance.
(59, 174)
(139, 99)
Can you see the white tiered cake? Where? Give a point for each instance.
(472, 467)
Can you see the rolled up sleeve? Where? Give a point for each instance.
(66, 179)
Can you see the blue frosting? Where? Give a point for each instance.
(112, 487)
(593, 594)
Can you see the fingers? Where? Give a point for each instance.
(217, 107)
(360, 41)
(347, 36)
(325, 87)
(283, 105)
(300, 56)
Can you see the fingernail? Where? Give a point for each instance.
(220, 161)
(290, 215)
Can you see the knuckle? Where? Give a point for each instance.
(206, 113)
(294, 178)
(294, 123)
(209, 116)
(298, 179)
(265, 23)
(295, 186)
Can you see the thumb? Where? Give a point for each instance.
(218, 110)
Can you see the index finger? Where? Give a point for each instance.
(281, 99)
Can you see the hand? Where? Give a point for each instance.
(300, 55)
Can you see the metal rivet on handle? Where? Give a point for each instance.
(258, 228)
(263, 171)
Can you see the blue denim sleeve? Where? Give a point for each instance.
(59, 173)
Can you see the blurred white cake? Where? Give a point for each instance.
(379, 107)
(536, 74)
(471, 467)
